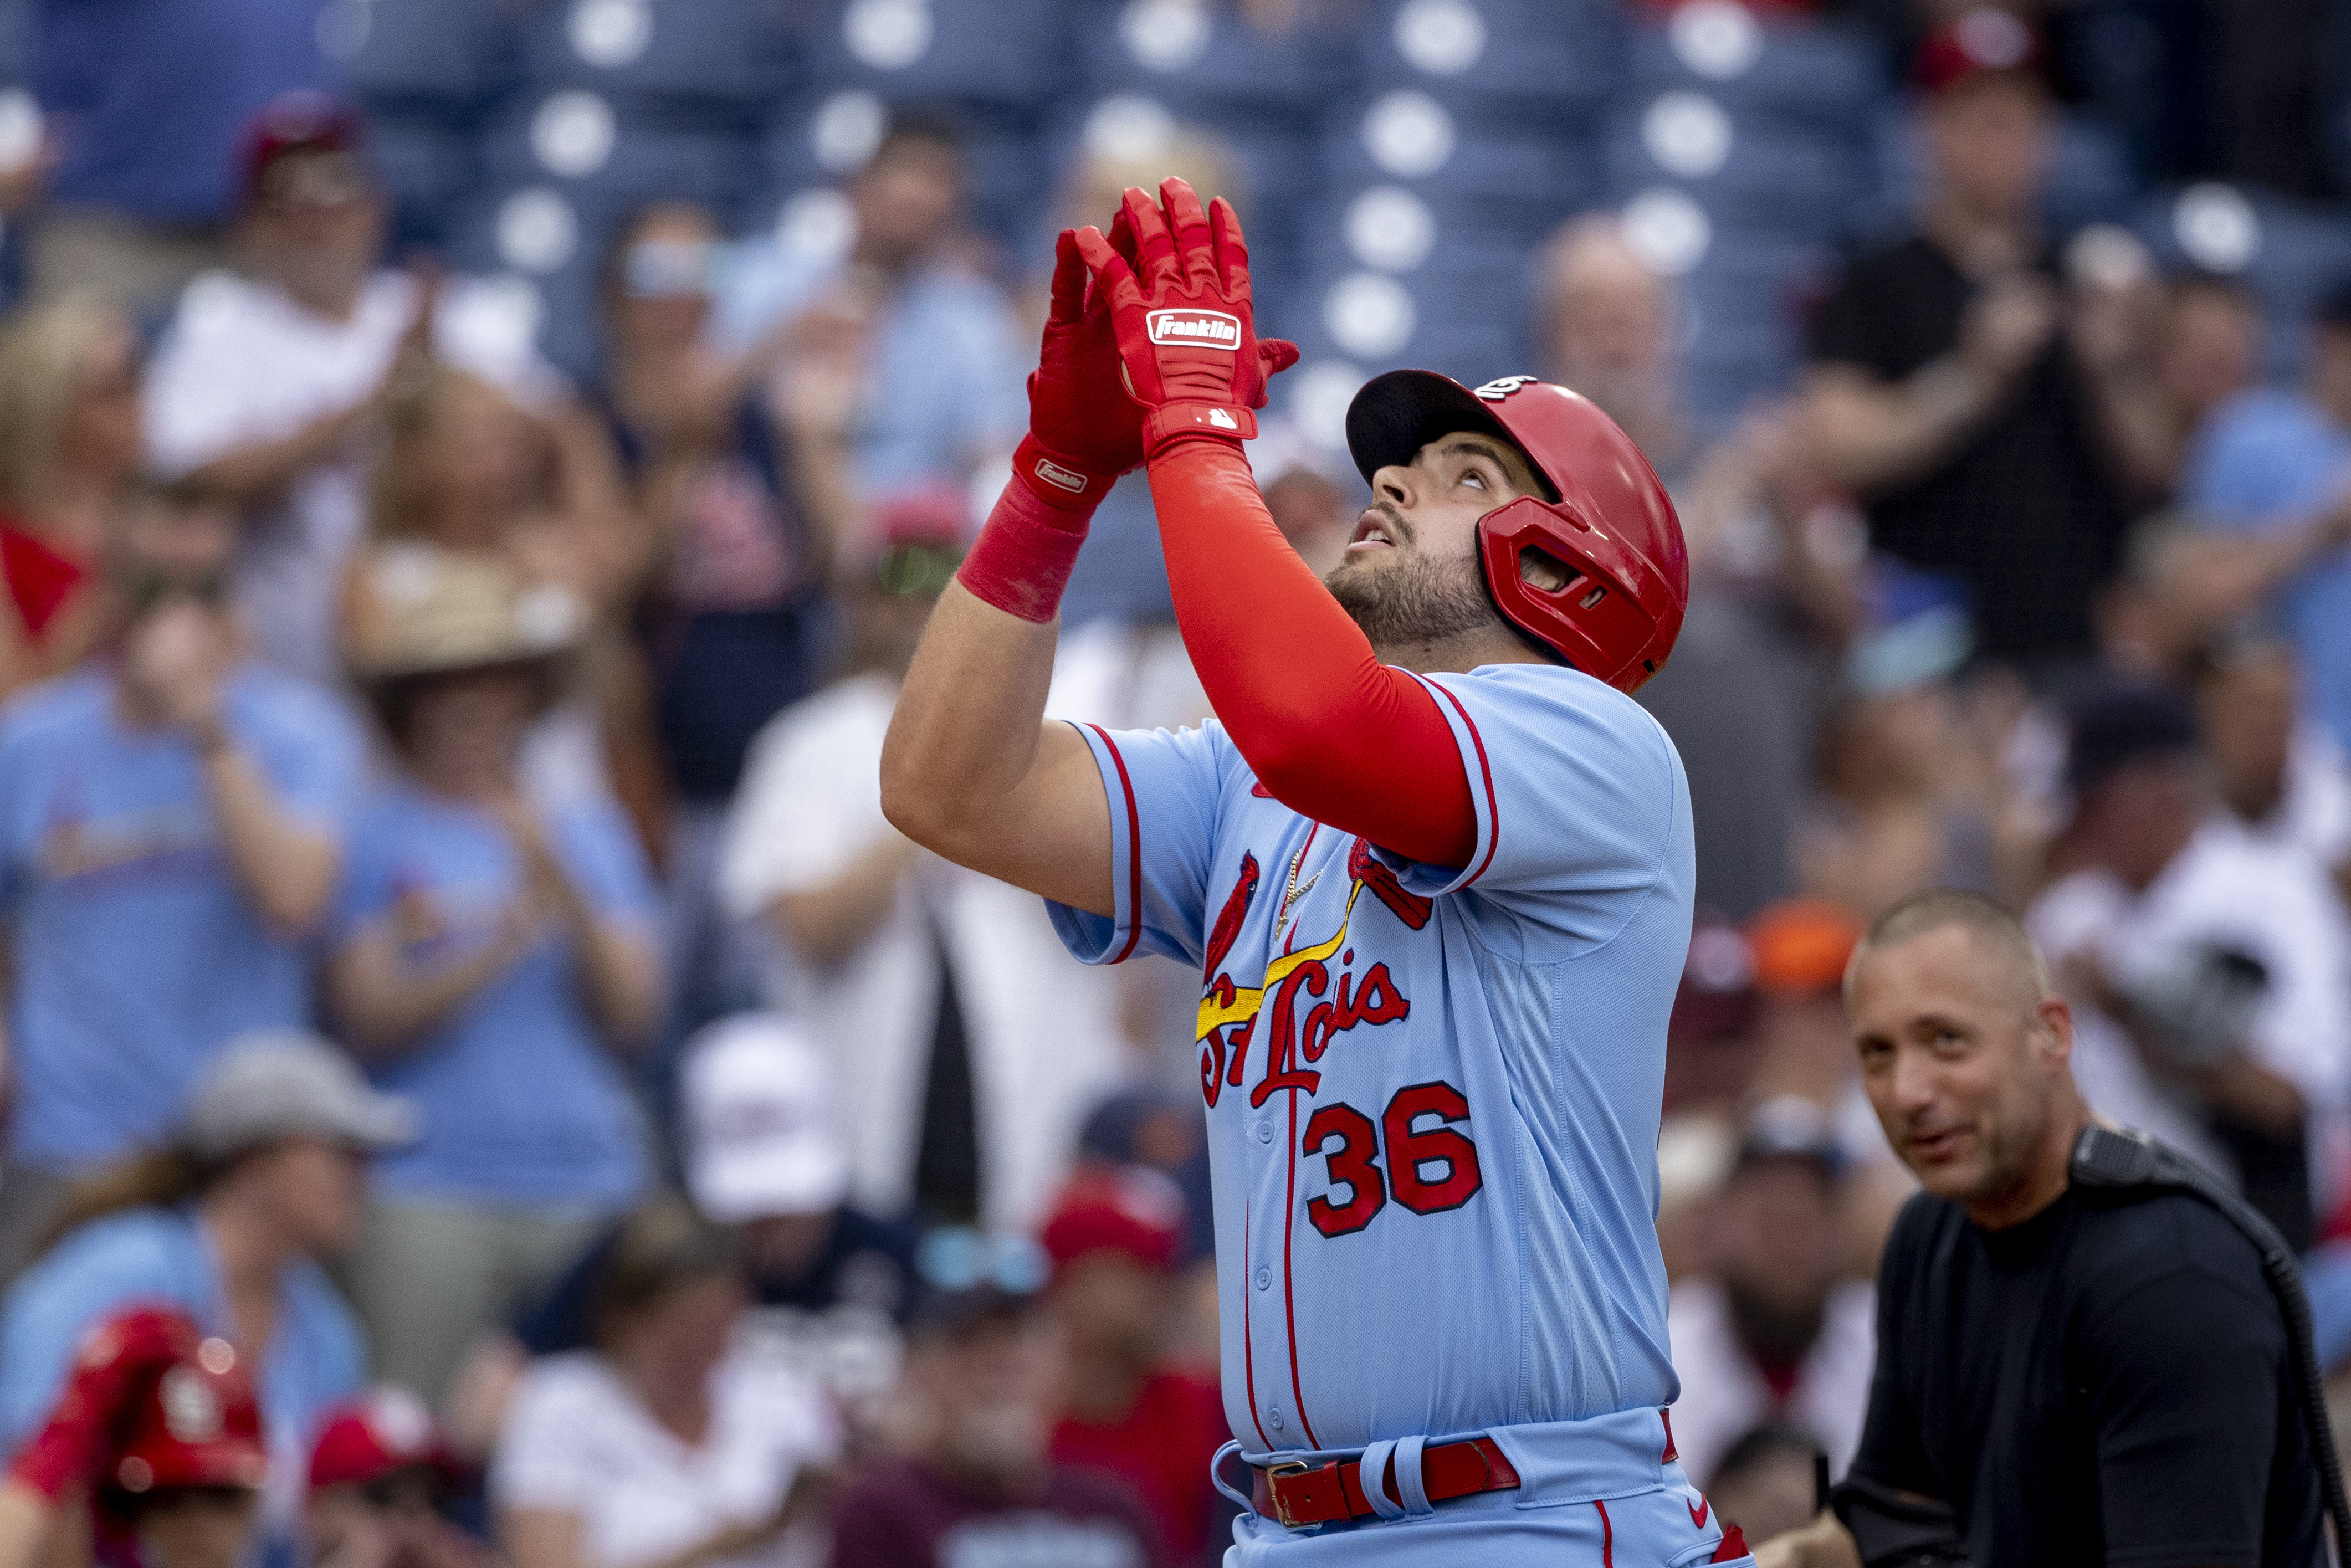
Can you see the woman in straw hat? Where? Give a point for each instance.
(494, 959)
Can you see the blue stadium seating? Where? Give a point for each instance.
(431, 167)
(1828, 77)
(706, 64)
(445, 57)
(2289, 254)
(1780, 178)
(1529, 63)
(1001, 56)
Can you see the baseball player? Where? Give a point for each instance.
(1435, 867)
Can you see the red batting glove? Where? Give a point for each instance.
(1187, 335)
(109, 1370)
(1083, 430)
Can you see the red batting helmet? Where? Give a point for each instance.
(1608, 520)
(195, 1425)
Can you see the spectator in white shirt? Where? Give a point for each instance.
(966, 1047)
(669, 1444)
(266, 379)
(1773, 1330)
(2209, 967)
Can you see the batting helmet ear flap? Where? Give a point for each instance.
(1601, 605)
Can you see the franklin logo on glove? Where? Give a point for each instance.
(1202, 328)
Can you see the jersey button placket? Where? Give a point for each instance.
(1264, 1278)
(1265, 1130)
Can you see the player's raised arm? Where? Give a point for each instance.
(1330, 730)
(1472, 555)
(971, 769)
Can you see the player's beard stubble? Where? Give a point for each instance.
(1402, 597)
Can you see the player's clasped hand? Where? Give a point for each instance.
(1179, 308)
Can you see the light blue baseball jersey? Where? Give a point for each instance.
(1432, 1095)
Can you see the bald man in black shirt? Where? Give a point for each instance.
(2081, 1375)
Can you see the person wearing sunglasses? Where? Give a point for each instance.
(964, 1048)
(171, 820)
(973, 1478)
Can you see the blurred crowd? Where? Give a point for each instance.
(465, 1004)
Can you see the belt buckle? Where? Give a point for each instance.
(1282, 1471)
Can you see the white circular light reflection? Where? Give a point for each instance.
(1318, 396)
(848, 126)
(1443, 37)
(1390, 228)
(573, 135)
(537, 231)
(1688, 134)
(888, 34)
(1408, 135)
(20, 129)
(2217, 228)
(1718, 40)
(1668, 231)
(1370, 315)
(1164, 35)
(1129, 128)
(818, 224)
(609, 34)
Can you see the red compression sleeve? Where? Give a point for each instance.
(1333, 732)
(1024, 555)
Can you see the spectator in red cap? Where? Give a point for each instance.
(1946, 390)
(1114, 1239)
(269, 379)
(379, 1473)
(157, 1428)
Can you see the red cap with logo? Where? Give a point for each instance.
(195, 1425)
(303, 121)
(384, 1431)
(1134, 1211)
(1972, 44)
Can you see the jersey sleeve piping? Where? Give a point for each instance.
(1493, 823)
(1134, 911)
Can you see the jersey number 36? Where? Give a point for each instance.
(1429, 1168)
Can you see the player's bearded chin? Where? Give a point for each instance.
(1403, 597)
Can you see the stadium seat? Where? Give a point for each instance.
(1524, 63)
(1829, 77)
(424, 57)
(990, 59)
(1775, 175)
(1207, 63)
(1505, 182)
(2289, 254)
(822, 139)
(695, 64)
(430, 168)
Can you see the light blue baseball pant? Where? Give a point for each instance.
(1602, 1493)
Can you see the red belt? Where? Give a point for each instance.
(1300, 1494)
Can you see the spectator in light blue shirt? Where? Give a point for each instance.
(492, 959)
(937, 345)
(2272, 466)
(227, 1222)
(171, 826)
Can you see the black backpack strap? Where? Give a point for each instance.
(2117, 1160)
